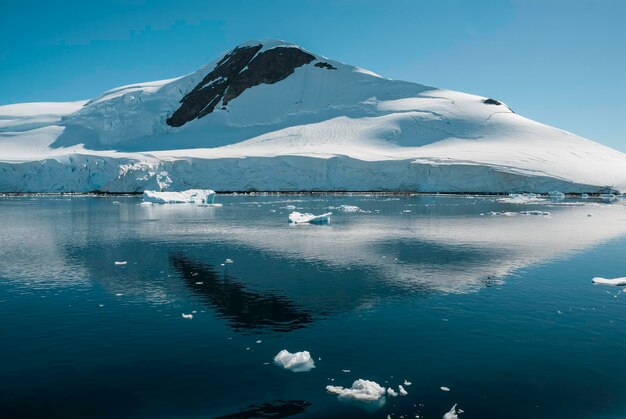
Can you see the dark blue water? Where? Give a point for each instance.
(500, 309)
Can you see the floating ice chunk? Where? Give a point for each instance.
(296, 362)
(299, 218)
(402, 391)
(190, 196)
(608, 197)
(517, 198)
(584, 196)
(407, 383)
(606, 281)
(228, 261)
(556, 195)
(453, 413)
(349, 208)
(121, 262)
(119, 294)
(444, 388)
(187, 316)
(345, 370)
(146, 203)
(392, 392)
(290, 207)
(535, 212)
(361, 390)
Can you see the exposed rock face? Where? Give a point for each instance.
(492, 102)
(239, 70)
(327, 66)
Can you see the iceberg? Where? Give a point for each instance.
(618, 282)
(361, 390)
(296, 362)
(190, 196)
(349, 208)
(300, 218)
(453, 413)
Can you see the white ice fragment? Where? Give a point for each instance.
(402, 391)
(290, 207)
(296, 362)
(349, 208)
(200, 283)
(361, 390)
(187, 316)
(392, 392)
(535, 212)
(444, 388)
(190, 196)
(407, 383)
(121, 263)
(584, 196)
(606, 281)
(258, 341)
(119, 294)
(299, 218)
(228, 261)
(345, 370)
(453, 413)
(556, 195)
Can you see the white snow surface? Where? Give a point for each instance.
(318, 129)
(190, 196)
(606, 281)
(361, 390)
(296, 362)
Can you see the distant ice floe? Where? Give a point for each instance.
(513, 214)
(402, 391)
(119, 263)
(349, 208)
(300, 218)
(443, 388)
(618, 282)
(361, 390)
(453, 413)
(296, 362)
(556, 195)
(391, 392)
(190, 196)
(521, 198)
(187, 316)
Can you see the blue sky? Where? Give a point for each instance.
(561, 62)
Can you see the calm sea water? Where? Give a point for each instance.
(500, 309)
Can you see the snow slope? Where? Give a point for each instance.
(271, 116)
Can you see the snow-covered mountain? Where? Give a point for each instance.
(271, 116)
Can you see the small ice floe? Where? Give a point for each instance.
(119, 294)
(345, 370)
(228, 261)
(190, 196)
(520, 198)
(290, 207)
(187, 316)
(453, 413)
(505, 213)
(618, 282)
(402, 391)
(349, 208)
(392, 392)
(296, 362)
(584, 196)
(444, 388)
(407, 383)
(406, 211)
(259, 341)
(116, 202)
(361, 390)
(306, 218)
(556, 195)
(146, 204)
(121, 263)
(535, 212)
(200, 283)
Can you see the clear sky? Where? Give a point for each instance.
(561, 62)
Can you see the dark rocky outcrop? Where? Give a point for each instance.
(239, 70)
(327, 66)
(492, 102)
